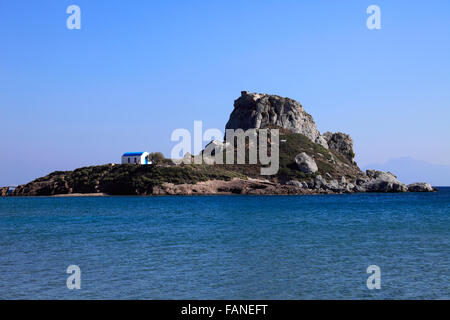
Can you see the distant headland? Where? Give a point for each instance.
(309, 163)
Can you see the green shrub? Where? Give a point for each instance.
(157, 158)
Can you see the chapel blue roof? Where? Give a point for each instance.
(132, 154)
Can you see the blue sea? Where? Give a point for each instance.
(227, 247)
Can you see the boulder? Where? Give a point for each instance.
(379, 181)
(420, 187)
(340, 143)
(359, 189)
(350, 187)
(306, 164)
(320, 182)
(333, 185)
(298, 184)
(256, 110)
(361, 181)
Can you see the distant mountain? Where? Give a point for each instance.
(409, 170)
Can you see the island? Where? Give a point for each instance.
(309, 163)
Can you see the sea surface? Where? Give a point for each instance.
(227, 247)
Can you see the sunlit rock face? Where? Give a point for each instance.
(341, 143)
(256, 110)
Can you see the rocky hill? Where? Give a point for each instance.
(256, 110)
(309, 163)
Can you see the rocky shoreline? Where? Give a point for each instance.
(293, 187)
(378, 182)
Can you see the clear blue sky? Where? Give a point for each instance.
(137, 70)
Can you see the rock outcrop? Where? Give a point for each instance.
(4, 191)
(373, 181)
(256, 110)
(306, 164)
(332, 185)
(43, 188)
(420, 187)
(341, 143)
(297, 184)
(379, 181)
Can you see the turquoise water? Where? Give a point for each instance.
(227, 247)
